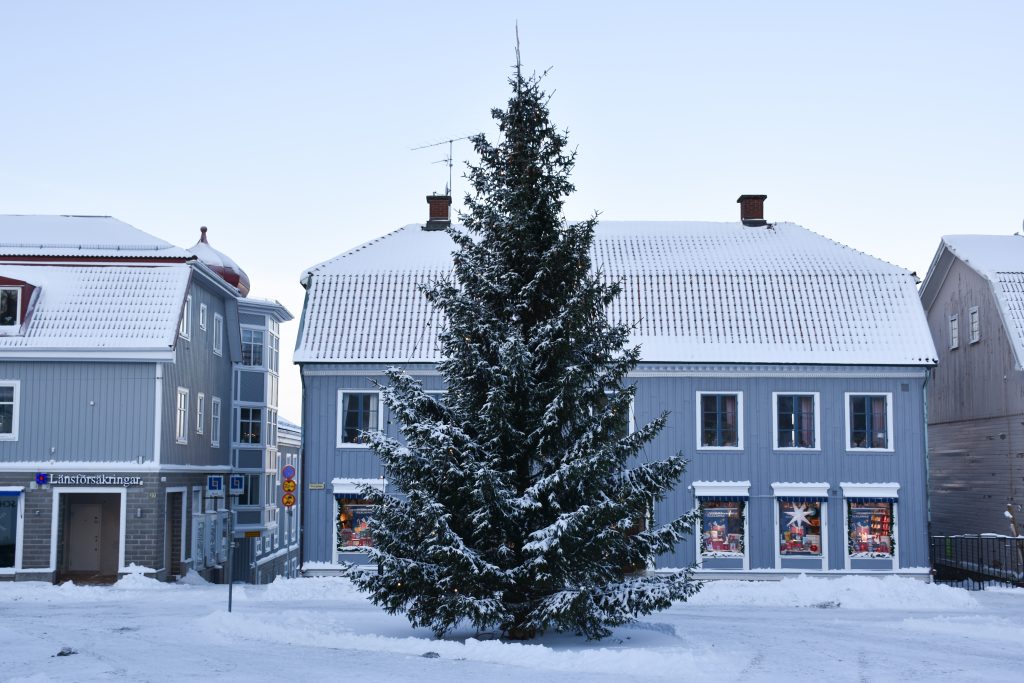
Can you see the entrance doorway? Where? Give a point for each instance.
(91, 537)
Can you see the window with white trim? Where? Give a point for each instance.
(975, 324)
(10, 308)
(185, 326)
(870, 524)
(252, 347)
(251, 491)
(218, 334)
(181, 423)
(722, 526)
(215, 422)
(796, 421)
(358, 413)
(869, 421)
(202, 316)
(800, 526)
(250, 425)
(200, 412)
(954, 331)
(720, 420)
(9, 400)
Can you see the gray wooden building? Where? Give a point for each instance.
(974, 299)
(119, 358)
(794, 370)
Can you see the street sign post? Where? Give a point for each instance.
(236, 484)
(215, 486)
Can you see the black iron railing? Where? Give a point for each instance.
(978, 561)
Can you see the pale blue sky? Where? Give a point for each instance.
(287, 127)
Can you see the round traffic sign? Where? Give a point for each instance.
(288, 500)
(288, 472)
(288, 485)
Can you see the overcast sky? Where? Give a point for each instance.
(287, 128)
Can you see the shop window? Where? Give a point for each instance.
(185, 326)
(9, 390)
(250, 424)
(720, 417)
(358, 413)
(975, 325)
(252, 347)
(354, 516)
(796, 421)
(218, 334)
(870, 528)
(9, 501)
(800, 527)
(10, 307)
(722, 527)
(181, 419)
(868, 421)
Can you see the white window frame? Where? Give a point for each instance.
(16, 385)
(784, 491)
(19, 528)
(851, 490)
(185, 326)
(253, 329)
(215, 422)
(954, 331)
(218, 334)
(202, 316)
(181, 414)
(20, 292)
(200, 412)
(261, 421)
(340, 417)
(739, 420)
(817, 421)
(974, 325)
(890, 439)
(718, 489)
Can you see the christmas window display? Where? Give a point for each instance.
(353, 522)
(870, 528)
(800, 528)
(722, 533)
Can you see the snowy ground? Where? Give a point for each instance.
(849, 629)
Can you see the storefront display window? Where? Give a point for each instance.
(870, 530)
(722, 528)
(353, 520)
(800, 528)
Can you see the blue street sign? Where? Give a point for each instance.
(236, 484)
(215, 485)
(288, 472)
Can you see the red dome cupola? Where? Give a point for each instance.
(221, 264)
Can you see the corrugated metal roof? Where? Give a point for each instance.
(95, 308)
(697, 292)
(80, 237)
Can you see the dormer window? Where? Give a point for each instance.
(10, 308)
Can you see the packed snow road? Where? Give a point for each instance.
(802, 629)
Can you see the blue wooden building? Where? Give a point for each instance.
(794, 369)
(130, 371)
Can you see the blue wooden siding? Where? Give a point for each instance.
(674, 389)
(197, 368)
(88, 412)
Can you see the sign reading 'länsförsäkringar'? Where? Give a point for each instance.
(87, 479)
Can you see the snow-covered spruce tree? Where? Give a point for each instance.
(526, 504)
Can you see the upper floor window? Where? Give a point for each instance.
(975, 324)
(358, 412)
(250, 424)
(720, 417)
(954, 331)
(185, 326)
(218, 334)
(869, 417)
(252, 347)
(9, 409)
(181, 421)
(10, 307)
(796, 421)
(273, 347)
(215, 422)
(202, 316)
(200, 412)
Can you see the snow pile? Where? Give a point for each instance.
(849, 592)
(313, 588)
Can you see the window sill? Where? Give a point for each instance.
(800, 449)
(180, 442)
(734, 449)
(869, 450)
(352, 446)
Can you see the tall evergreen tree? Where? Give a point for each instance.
(526, 502)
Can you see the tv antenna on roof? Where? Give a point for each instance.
(447, 160)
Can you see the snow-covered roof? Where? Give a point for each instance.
(697, 292)
(1000, 260)
(80, 237)
(93, 309)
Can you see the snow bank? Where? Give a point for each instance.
(848, 592)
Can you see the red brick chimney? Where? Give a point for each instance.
(439, 216)
(752, 209)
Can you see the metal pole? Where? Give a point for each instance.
(231, 546)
